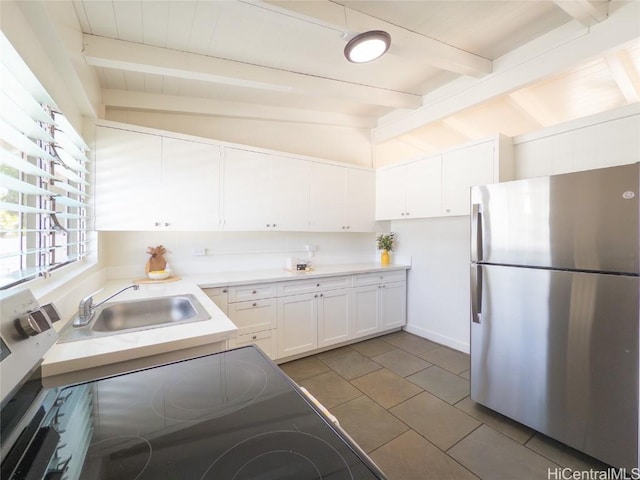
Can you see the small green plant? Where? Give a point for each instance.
(385, 242)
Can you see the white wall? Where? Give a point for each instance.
(438, 292)
(340, 144)
(126, 255)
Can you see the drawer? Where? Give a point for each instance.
(379, 277)
(295, 287)
(266, 340)
(257, 291)
(254, 315)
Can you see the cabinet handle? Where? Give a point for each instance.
(317, 284)
(268, 225)
(348, 227)
(275, 225)
(315, 296)
(407, 214)
(402, 214)
(224, 290)
(166, 224)
(254, 304)
(156, 224)
(254, 337)
(448, 210)
(322, 294)
(254, 292)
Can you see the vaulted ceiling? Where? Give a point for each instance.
(283, 61)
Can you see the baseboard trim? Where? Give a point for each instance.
(438, 338)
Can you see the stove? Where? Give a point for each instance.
(229, 415)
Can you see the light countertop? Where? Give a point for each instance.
(97, 352)
(227, 279)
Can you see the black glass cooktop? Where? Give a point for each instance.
(232, 415)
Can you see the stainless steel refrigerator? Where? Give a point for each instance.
(555, 307)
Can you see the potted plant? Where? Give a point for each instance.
(385, 243)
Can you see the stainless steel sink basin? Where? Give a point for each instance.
(133, 315)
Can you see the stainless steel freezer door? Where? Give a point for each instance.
(578, 221)
(558, 351)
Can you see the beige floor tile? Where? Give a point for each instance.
(330, 389)
(466, 374)
(510, 428)
(447, 358)
(442, 383)
(410, 343)
(304, 368)
(563, 455)
(401, 362)
(373, 347)
(385, 387)
(437, 421)
(351, 364)
(493, 456)
(368, 423)
(411, 457)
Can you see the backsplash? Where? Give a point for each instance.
(232, 251)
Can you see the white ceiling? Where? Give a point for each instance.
(283, 61)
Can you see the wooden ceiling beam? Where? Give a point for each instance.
(351, 22)
(587, 12)
(129, 100)
(135, 57)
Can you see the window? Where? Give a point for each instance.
(43, 178)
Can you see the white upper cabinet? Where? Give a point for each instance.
(128, 186)
(191, 184)
(265, 192)
(361, 194)
(341, 199)
(412, 190)
(148, 182)
(461, 169)
(439, 185)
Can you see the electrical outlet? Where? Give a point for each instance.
(199, 252)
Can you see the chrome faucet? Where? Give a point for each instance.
(87, 308)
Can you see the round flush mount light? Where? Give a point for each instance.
(367, 46)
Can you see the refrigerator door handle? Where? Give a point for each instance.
(476, 293)
(476, 232)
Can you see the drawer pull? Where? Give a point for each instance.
(254, 337)
(254, 304)
(254, 292)
(224, 290)
(317, 284)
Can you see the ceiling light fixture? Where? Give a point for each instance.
(367, 46)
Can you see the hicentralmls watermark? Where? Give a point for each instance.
(560, 473)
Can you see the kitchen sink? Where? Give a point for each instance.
(135, 315)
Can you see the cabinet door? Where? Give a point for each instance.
(360, 215)
(219, 296)
(254, 315)
(190, 185)
(297, 324)
(289, 191)
(327, 198)
(365, 317)
(128, 185)
(391, 193)
(334, 313)
(392, 305)
(247, 190)
(424, 188)
(461, 169)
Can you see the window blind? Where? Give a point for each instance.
(43, 178)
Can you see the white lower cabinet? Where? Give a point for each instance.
(219, 295)
(253, 308)
(294, 317)
(378, 304)
(266, 340)
(334, 317)
(297, 324)
(365, 316)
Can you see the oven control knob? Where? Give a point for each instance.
(33, 323)
(28, 326)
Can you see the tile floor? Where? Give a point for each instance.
(405, 400)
